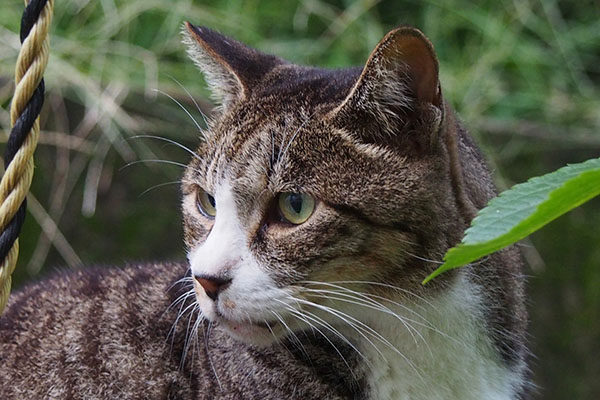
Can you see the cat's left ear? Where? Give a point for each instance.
(231, 69)
(398, 92)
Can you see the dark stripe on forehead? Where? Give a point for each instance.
(248, 146)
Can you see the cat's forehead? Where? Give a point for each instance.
(254, 150)
(286, 115)
(296, 151)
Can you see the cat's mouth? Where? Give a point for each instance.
(255, 332)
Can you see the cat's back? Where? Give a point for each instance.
(92, 333)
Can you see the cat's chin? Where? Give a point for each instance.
(257, 334)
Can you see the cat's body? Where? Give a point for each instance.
(106, 334)
(314, 208)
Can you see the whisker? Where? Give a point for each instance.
(272, 147)
(153, 161)
(293, 336)
(364, 295)
(367, 297)
(191, 98)
(183, 108)
(186, 344)
(422, 258)
(302, 312)
(195, 346)
(396, 288)
(425, 324)
(182, 311)
(171, 141)
(180, 314)
(194, 335)
(356, 324)
(377, 307)
(306, 121)
(341, 315)
(302, 316)
(179, 299)
(158, 186)
(186, 278)
(212, 366)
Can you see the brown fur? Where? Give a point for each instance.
(396, 177)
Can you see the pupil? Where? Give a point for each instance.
(296, 202)
(211, 200)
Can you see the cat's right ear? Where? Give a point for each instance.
(231, 69)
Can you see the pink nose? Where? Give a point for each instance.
(212, 285)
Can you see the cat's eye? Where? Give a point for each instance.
(295, 208)
(206, 203)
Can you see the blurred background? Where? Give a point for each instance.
(524, 75)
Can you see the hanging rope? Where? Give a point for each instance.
(24, 114)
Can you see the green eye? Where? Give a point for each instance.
(296, 208)
(206, 204)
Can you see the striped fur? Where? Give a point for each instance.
(329, 309)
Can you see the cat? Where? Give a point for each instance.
(313, 208)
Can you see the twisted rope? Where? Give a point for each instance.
(24, 114)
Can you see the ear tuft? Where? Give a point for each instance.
(231, 69)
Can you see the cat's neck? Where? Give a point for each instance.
(433, 348)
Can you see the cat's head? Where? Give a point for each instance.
(315, 186)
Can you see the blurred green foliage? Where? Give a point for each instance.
(523, 74)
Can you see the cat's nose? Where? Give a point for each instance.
(212, 285)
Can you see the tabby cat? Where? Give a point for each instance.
(316, 203)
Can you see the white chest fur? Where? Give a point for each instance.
(446, 355)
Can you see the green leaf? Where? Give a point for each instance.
(522, 210)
